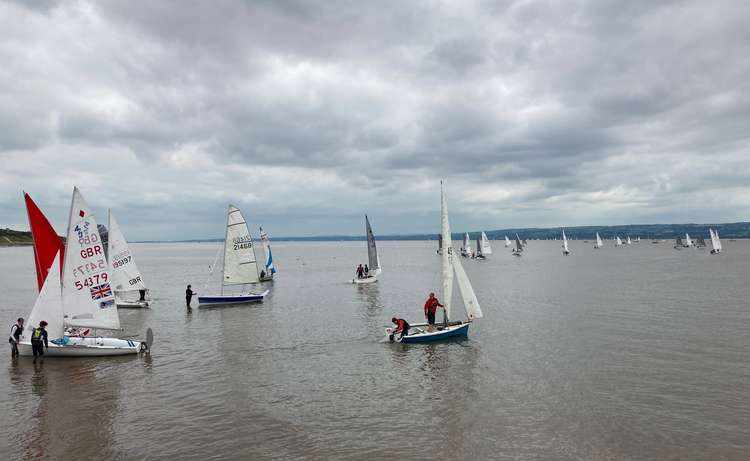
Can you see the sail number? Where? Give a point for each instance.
(122, 262)
(89, 267)
(135, 280)
(92, 281)
(241, 243)
(91, 251)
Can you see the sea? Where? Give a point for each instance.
(639, 352)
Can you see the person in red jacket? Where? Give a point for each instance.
(430, 307)
(402, 326)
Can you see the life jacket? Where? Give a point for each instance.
(402, 325)
(37, 334)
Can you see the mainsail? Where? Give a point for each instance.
(688, 242)
(48, 305)
(239, 257)
(715, 242)
(372, 250)
(565, 242)
(447, 253)
(618, 241)
(519, 245)
(507, 242)
(599, 242)
(467, 244)
(87, 295)
(125, 274)
(47, 244)
(486, 248)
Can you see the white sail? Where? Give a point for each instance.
(599, 242)
(125, 274)
(715, 242)
(507, 242)
(486, 248)
(519, 245)
(618, 241)
(466, 248)
(372, 250)
(447, 254)
(265, 243)
(471, 304)
(88, 298)
(688, 242)
(565, 242)
(239, 255)
(628, 241)
(48, 306)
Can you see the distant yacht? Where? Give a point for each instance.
(678, 245)
(618, 241)
(628, 241)
(466, 248)
(519, 247)
(599, 242)
(566, 251)
(688, 243)
(700, 242)
(715, 242)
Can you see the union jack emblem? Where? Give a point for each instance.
(101, 291)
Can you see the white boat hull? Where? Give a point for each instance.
(86, 347)
(133, 304)
(370, 279)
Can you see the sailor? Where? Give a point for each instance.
(430, 307)
(189, 293)
(15, 337)
(402, 326)
(262, 274)
(360, 271)
(143, 295)
(367, 271)
(39, 341)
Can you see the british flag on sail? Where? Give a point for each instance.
(101, 291)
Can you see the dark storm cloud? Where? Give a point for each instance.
(539, 113)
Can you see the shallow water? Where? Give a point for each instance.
(621, 353)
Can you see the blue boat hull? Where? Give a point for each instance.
(228, 300)
(439, 335)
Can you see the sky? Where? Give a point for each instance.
(308, 114)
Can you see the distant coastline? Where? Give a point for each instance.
(12, 238)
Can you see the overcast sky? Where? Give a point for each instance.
(308, 114)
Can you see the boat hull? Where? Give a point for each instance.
(132, 304)
(230, 300)
(454, 331)
(371, 279)
(86, 347)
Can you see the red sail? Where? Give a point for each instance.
(46, 241)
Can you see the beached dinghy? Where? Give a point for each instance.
(419, 333)
(239, 266)
(373, 260)
(267, 274)
(130, 289)
(84, 298)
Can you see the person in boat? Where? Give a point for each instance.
(39, 341)
(189, 293)
(360, 271)
(402, 326)
(430, 308)
(15, 337)
(262, 274)
(367, 271)
(143, 295)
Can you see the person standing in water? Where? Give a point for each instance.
(189, 293)
(15, 337)
(39, 341)
(360, 271)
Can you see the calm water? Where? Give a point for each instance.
(622, 353)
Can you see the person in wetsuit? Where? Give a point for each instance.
(39, 341)
(15, 337)
(402, 326)
(189, 293)
(430, 307)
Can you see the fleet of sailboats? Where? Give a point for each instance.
(239, 266)
(373, 260)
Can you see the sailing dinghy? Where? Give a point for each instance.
(599, 243)
(373, 260)
(566, 251)
(628, 241)
(82, 297)
(451, 266)
(130, 289)
(678, 245)
(519, 247)
(507, 242)
(267, 274)
(466, 247)
(715, 242)
(618, 241)
(239, 266)
(688, 242)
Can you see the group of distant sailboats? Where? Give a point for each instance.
(483, 248)
(700, 242)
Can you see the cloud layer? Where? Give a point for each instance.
(308, 114)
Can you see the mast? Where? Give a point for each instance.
(447, 253)
(224, 251)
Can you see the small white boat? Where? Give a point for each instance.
(628, 241)
(507, 242)
(565, 251)
(466, 247)
(618, 241)
(239, 267)
(450, 266)
(267, 274)
(130, 289)
(715, 242)
(485, 245)
(688, 242)
(519, 247)
(373, 259)
(599, 243)
(82, 297)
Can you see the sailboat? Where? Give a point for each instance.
(618, 241)
(373, 259)
(267, 274)
(466, 248)
(678, 245)
(79, 298)
(599, 242)
(239, 266)
(566, 251)
(519, 247)
(628, 241)
(700, 242)
(715, 242)
(486, 248)
(130, 289)
(688, 242)
(451, 266)
(507, 242)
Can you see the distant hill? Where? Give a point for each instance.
(10, 237)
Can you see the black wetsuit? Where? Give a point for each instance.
(188, 296)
